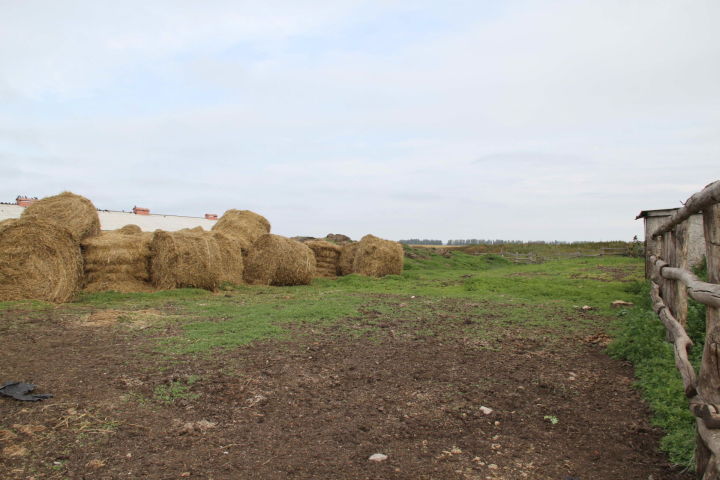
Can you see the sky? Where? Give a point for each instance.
(528, 120)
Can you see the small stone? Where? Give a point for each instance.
(486, 410)
(378, 457)
(586, 308)
(492, 466)
(185, 474)
(497, 423)
(496, 446)
(455, 451)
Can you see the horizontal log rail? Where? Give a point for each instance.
(703, 292)
(681, 342)
(710, 195)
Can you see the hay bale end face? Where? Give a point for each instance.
(185, 259)
(346, 261)
(376, 257)
(118, 261)
(38, 260)
(73, 212)
(244, 225)
(327, 257)
(279, 261)
(231, 255)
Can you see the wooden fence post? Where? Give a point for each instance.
(682, 238)
(709, 378)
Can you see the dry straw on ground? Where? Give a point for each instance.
(75, 213)
(184, 259)
(376, 257)
(244, 225)
(327, 256)
(38, 260)
(347, 258)
(276, 260)
(118, 260)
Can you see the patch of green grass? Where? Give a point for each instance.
(175, 390)
(640, 338)
(139, 299)
(223, 323)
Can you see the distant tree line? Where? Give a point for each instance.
(482, 241)
(424, 241)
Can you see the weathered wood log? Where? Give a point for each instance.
(698, 202)
(709, 377)
(703, 292)
(708, 452)
(681, 234)
(681, 342)
(669, 289)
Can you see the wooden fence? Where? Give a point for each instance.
(672, 283)
(539, 258)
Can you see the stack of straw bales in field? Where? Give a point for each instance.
(372, 256)
(118, 260)
(245, 226)
(40, 255)
(327, 256)
(279, 261)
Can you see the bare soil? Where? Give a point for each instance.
(319, 405)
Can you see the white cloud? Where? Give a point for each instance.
(535, 120)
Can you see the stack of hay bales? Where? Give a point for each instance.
(346, 261)
(279, 261)
(118, 260)
(245, 226)
(40, 254)
(327, 256)
(376, 257)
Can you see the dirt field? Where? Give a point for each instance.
(405, 376)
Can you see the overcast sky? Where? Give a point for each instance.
(433, 119)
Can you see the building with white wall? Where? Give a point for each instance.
(112, 220)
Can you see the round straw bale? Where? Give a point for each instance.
(185, 259)
(276, 260)
(327, 256)
(376, 257)
(38, 260)
(338, 238)
(130, 228)
(118, 260)
(232, 259)
(245, 225)
(75, 213)
(347, 258)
